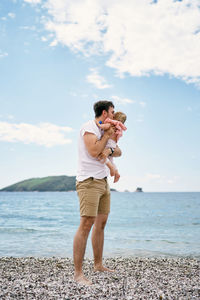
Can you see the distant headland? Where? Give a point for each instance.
(61, 183)
(44, 184)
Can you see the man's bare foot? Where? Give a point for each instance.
(102, 269)
(82, 280)
(117, 177)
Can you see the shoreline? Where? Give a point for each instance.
(134, 278)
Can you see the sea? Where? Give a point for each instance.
(43, 224)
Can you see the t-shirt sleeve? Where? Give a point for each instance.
(87, 128)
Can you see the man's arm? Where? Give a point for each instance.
(95, 146)
(106, 152)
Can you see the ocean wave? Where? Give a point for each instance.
(12, 230)
(27, 217)
(16, 230)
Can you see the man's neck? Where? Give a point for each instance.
(99, 119)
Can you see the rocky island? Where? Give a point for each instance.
(139, 190)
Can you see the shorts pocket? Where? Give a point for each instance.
(83, 184)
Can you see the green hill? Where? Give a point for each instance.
(45, 184)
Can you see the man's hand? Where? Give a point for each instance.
(117, 152)
(104, 154)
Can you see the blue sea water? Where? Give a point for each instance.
(140, 224)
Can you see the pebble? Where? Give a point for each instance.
(134, 278)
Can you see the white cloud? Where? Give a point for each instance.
(97, 80)
(44, 39)
(3, 54)
(137, 37)
(11, 15)
(33, 1)
(10, 117)
(45, 134)
(32, 28)
(76, 23)
(54, 43)
(153, 176)
(121, 100)
(143, 104)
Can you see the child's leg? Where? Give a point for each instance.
(111, 167)
(117, 176)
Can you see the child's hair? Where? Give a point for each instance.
(120, 116)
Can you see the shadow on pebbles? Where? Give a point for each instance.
(134, 278)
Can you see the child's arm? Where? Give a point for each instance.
(104, 126)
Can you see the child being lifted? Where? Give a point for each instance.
(118, 121)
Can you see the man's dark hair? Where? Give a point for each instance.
(102, 105)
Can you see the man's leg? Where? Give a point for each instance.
(98, 242)
(80, 241)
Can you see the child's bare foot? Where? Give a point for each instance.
(117, 176)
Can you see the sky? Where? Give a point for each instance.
(57, 58)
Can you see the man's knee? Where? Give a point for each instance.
(101, 221)
(86, 223)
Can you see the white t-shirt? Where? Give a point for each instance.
(89, 166)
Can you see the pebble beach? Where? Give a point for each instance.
(134, 278)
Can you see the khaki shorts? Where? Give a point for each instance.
(94, 196)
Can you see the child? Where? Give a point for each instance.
(118, 121)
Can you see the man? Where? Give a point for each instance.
(93, 189)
